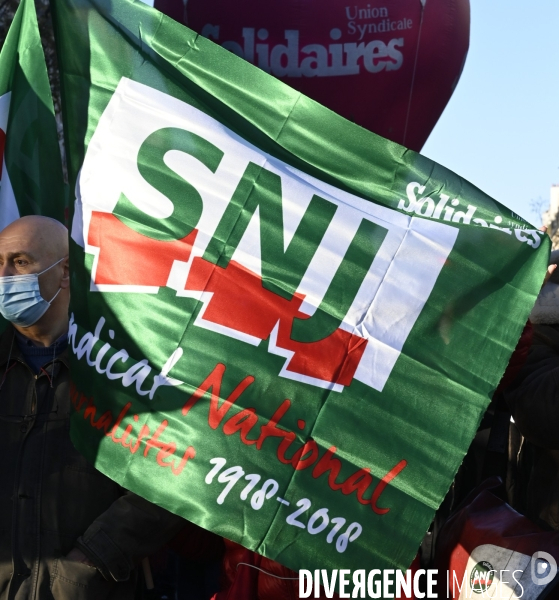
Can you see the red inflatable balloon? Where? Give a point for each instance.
(389, 65)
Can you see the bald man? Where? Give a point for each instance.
(66, 530)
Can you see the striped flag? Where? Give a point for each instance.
(31, 180)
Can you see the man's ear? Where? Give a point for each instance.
(65, 280)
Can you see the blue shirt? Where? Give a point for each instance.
(37, 356)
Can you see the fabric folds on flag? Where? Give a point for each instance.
(284, 327)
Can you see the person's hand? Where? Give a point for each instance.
(77, 555)
(549, 273)
(551, 268)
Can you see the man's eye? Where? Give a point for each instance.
(20, 262)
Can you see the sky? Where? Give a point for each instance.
(500, 129)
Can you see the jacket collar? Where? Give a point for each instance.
(9, 348)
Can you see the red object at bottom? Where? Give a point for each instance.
(490, 550)
(249, 576)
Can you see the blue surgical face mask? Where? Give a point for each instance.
(20, 298)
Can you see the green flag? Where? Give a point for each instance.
(284, 327)
(31, 171)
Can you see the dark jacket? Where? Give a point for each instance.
(52, 499)
(533, 400)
